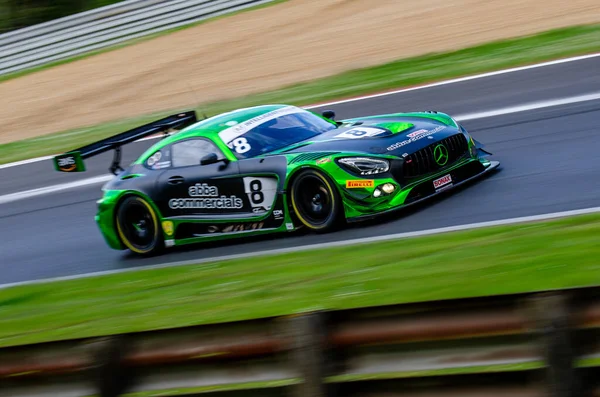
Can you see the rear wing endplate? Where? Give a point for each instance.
(72, 161)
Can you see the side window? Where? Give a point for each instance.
(189, 152)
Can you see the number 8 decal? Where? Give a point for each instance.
(357, 132)
(256, 195)
(241, 145)
(261, 192)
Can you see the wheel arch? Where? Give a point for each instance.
(294, 175)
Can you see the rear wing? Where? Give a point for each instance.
(72, 161)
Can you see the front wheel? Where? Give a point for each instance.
(315, 201)
(137, 226)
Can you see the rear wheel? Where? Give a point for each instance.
(137, 226)
(315, 201)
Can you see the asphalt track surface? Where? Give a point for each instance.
(550, 162)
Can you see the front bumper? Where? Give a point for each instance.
(424, 190)
(105, 219)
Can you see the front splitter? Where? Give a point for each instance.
(491, 167)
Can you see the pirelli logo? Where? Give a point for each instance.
(360, 184)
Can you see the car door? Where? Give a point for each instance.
(189, 189)
(217, 191)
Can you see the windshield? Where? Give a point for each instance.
(272, 131)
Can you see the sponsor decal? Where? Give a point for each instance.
(168, 227)
(243, 227)
(360, 132)
(155, 163)
(416, 133)
(205, 196)
(67, 163)
(289, 226)
(439, 183)
(323, 160)
(360, 184)
(235, 227)
(203, 190)
(169, 243)
(161, 165)
(278, 214)
(427, 134)
(213, 229)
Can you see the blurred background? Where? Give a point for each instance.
(15, 14)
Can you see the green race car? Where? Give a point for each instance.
(274, 168)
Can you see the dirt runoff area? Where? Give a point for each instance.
(261, 50)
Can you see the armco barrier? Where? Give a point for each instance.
(103, 27)
(542, 344)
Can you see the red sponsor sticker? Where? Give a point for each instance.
(416, 133)
(443, 181)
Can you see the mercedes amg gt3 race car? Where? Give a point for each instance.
(274, 168)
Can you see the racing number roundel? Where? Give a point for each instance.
(261, 192)
(256, 195)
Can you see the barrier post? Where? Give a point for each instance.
(109, 374)
(307, 334)
(554, 326)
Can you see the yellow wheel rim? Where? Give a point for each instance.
(295, 207)
(126, 241)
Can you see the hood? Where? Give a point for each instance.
(381, 135)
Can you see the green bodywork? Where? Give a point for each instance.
(357, 202)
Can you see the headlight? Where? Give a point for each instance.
(365, 165)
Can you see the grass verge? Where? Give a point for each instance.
(484, 58)
(498, 260)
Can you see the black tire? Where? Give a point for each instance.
(138, 227)
(315, 201)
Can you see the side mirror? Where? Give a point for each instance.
(329, 114)
(210, 158)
